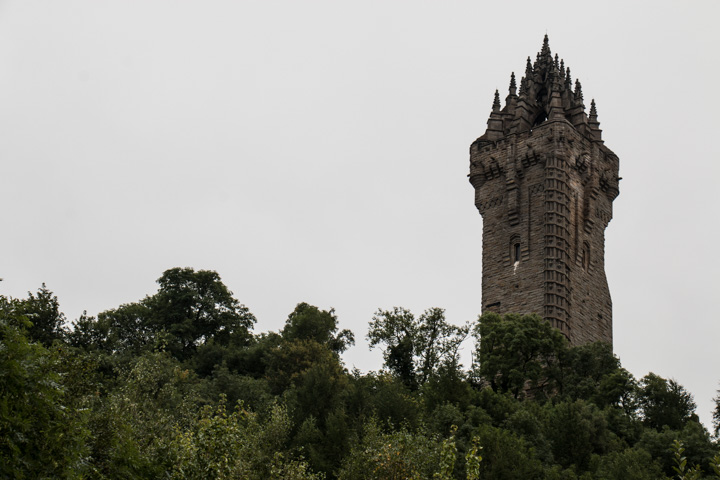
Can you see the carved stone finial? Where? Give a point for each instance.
(593, 110)
(546, 46)
(496, 102)
(578, 92)
(513, 86)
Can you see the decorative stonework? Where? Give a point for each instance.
(544, 184)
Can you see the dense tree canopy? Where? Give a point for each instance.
(416, 348)
(176, 385)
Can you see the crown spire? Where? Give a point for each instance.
(578, 92)
(513, 85)
(593, 123)
(546, 46)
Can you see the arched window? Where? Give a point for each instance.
(515, 253)
(585, 256)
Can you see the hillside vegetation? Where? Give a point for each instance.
(179, 386)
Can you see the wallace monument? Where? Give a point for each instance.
(544, 185)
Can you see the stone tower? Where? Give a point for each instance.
(544, 185)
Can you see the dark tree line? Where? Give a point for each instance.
(177, 385)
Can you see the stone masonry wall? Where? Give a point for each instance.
(550, 191)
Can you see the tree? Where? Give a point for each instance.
(515, 351)
(576, 430)
(397, 455)
(42, 435)
(191, 309)
(416, 348)
(239, 444)
(716, 415)
(505, 455)
(43, 311)
(195, 308)
(665, 402)
(592, 372)
(396, 329)
(308, 322)
(630, 464)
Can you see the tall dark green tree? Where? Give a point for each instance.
(194, 308)
(42, 434)
(665, 402)
(514, 351)
(43, 311)
(191, 309)
(308, 322)
(416, 348)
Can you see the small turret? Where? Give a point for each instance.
(593, 123)
(496, 102)
(494, 124)
(578, 93)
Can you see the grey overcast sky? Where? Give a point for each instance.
(318, 151)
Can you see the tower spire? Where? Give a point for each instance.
(593, 123)
(578, 92)
(546, 46)
(496, 102)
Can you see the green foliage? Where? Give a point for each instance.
(41, 434)
(591, 372)
(698, 447)
(191, 309)
(43, 311)
(383, 396)
(448, 454)
(629, 464)
(399, 454)
(715, 464)
(665, 403)
(576, 430)
(515, 351)
(308, 322)
(681, 467)
(415, 349)
(505, 455)
(472, 460)
(141, 392)
(236, 445)
(133, 424)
